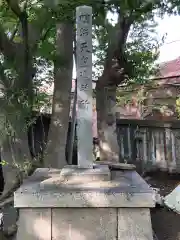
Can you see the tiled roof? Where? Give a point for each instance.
(171, 71)
(171, 68)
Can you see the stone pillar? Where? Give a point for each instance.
(84, 85)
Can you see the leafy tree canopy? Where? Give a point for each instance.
(125, 50)
(128, 49)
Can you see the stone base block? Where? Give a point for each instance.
(126, 189)
(118, 166)
(74, 173)
(34, 224)
(134, 223)
(51, 208)
(85, 224)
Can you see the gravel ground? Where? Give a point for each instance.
(166, 223)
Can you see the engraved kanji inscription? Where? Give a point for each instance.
(83, 73)
(84, 87)
(84, 47)
(84, 60)
(83, 104)
(85, 18)
(84, 32)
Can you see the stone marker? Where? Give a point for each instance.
(87, 201)
(172, 200)
(86, 171)
(84, 85)
(108, 210)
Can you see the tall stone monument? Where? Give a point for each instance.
(84, 85)
(88, 201)
(86, 171)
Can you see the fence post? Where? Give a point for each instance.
(168, 147)
(162, 151)
(145, 154)
(173, 163)
(129, 143)
(153, 151)
(177, 148)
(121, 146)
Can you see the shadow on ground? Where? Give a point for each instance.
(166, 223)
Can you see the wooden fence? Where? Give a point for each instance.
(150, 144)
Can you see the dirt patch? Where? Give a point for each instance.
(166, 223)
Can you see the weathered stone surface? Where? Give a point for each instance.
(134, 223)
(84, 224)
(85, 200)
(84, 85)
(83, 210)
(120, 166)
(126, 189)
(74, 174)
(34, 224)
(172, 200)
(159, 200)
(42, 174)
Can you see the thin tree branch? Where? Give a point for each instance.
(7, 47)
(44, 36)
(25, 55)
(25, 33)
(34, 32)
(116, 63)
(15, 31)
(144, 7)
(20, 14)
(14, 6)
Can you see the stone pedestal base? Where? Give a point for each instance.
(100, 210)
(85, 224)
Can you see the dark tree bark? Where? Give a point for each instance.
(55, 154)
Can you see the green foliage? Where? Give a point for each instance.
(29, 64)
(10, 23)
(140, 50)
(3, 163)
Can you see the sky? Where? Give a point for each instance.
(171, 48)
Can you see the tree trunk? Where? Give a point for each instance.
(55, 152)
(16, 161)
(106, 122)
